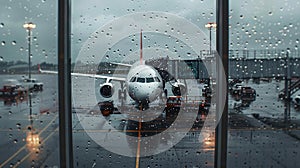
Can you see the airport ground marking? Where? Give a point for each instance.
(24, 147)
(138, 150)
(14, 155)
(25, 157)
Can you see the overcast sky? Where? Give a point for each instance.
(254, 24)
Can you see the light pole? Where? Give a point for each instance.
(210, 25)
(29, 26)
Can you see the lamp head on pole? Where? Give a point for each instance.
(29, 25)
(210, 25)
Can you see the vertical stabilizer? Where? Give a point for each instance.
(141, 47)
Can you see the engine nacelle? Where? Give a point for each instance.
(178, 89)
(106, 90)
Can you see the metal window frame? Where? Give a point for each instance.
(64, 83)
(222, 49)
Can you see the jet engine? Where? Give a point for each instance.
(106, 90)
(178, 88)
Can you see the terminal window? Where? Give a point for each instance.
(143, 80)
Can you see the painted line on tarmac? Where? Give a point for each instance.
(25, 157)
(138, 150)
(14, 155)
(24, 147)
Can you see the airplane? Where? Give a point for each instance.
(144, 83)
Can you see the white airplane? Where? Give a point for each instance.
(144, 84)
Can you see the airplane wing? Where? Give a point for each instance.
(122, 64)
(108, 78)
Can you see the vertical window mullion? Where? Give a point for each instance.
(222, 114)
(64, 84)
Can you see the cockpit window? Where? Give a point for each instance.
(132, 79)
(157, 79)
(149, 80)
(141, 80)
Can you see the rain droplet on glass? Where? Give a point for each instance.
(270, 13)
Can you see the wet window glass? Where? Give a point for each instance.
(133, 79)
(157, 79)
(169, 45)
(141, 80)
(149, 80)
(28, 98)
(263, 84)
(119, 123)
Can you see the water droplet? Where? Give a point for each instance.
(1, 58)
(1, 25)
(15, 141)
(270, 13)
(13, 42)
(3, 43)
(241, 16)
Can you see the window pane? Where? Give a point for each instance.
(163, 124)
(149, 80)
(264, 84)
(28, 99)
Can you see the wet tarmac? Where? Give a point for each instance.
(30, 137)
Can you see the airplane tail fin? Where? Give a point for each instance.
(141, 47)
(39, 68)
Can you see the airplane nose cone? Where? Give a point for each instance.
(143, 94)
